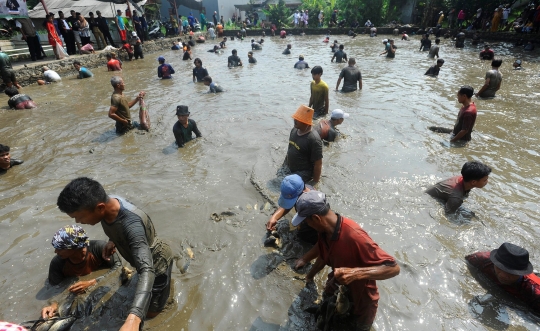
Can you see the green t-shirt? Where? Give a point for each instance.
(5, 62)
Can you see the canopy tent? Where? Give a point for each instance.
(107, 8)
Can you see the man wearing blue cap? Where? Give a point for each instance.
(165, 70)
(356, 260)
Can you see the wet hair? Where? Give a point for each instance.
(250, 53)
(289, 45)
(115, 80)
(91, 14)
(496, 63)
(207, 79)
(466, 90)
(316, 70)
(108, 56)
(440, 61)
(301, 58)
(11, 91)
(437, 40)
(341, 47)
(4, 149)
(197, 60)
(82, 193)
(234, 51)
(190, 37)
(474, 170)
(77, 63)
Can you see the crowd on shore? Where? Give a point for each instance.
(350, 296)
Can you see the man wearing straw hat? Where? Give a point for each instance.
(509, 268)
(304, 156)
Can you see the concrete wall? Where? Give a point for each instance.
(223, 7)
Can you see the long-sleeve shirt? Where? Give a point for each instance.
(183, 134)
(61, 269)
(134, 236)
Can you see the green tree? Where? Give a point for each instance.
(278, 14)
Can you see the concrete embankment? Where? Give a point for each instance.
(30, 72)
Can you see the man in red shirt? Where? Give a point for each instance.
(509, 268)
(487, 53)
(356, 260)
(112, 64)
(466, 116)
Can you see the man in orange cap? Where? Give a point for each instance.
(304, 156)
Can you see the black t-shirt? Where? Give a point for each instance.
(11, 164)
(426, 44)
(304, 151)
(433, 70)
(93, 261)
(351, 76)
(200, 73)
(234, 60)
(286, 51)
(186, 56)
(252, 60)
(75, 24)
(191, 43)
(340, 56)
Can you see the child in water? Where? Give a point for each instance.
(214, 88)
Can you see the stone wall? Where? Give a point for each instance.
(30, 75)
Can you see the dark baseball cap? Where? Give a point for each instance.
(309, 203)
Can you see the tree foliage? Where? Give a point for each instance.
(278, 14)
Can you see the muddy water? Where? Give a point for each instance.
(375, 176)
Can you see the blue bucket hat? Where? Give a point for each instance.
(291, 188)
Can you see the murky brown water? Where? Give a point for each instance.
(375, 176)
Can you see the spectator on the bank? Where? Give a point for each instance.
(73, 20)
(6, 70)
(104, 28)
(135, 41)
(84, 30)
(53, 36)
(66, 32)
(120, 25)
(88, 48)
(17, 100)
(28, 32)
(138, 26)
(94, 27)
(460, 18)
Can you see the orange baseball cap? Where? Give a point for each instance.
(304, 114)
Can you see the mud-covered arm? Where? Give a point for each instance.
(196, 130)
(142, 258)
(113, 264)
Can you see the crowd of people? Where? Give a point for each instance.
(356, 261)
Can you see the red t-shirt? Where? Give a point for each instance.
(127, 47)
(526, 289)
(351, 247)
(114, 65)
(465, 121)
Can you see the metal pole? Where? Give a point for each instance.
(44, 6)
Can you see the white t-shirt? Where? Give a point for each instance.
(212, 33)
(506, 12)
(51, 76)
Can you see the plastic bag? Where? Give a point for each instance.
(61, 51)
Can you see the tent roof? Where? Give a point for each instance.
(107, 8)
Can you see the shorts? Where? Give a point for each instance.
(77, 36)
(8, 76)
(28, 104)
(161, 291)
